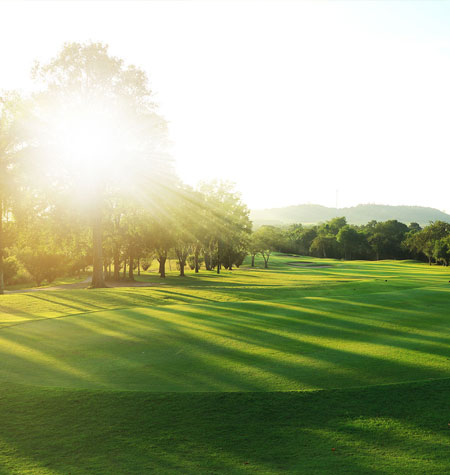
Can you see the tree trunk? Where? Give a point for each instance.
(130, 267)
(207, 261)
(116, 263)
(266, 260)
(162, 266)
(139, 266)
(196, 266)
(253, 260)
(124, 267)
(218, 258)
(182, 264)
(98, 279)
(2, 284)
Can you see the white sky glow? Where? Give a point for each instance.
(290, 100)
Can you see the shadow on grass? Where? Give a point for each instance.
(374, 430)
(251, 346)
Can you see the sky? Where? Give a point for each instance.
(296, 102)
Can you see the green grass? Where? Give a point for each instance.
(251, 371)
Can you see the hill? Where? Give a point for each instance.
(361, 214)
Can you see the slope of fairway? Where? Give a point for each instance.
(377, 430)
(202, 374)
(306, 343)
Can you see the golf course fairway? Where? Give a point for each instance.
(310, 366)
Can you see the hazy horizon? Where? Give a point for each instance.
(290, 100)
(344, 207)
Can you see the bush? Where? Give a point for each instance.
(10, 270)
(78, 264)
(44, 265)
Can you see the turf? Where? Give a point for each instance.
(251, 371)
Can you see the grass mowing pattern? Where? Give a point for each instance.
(281, 329)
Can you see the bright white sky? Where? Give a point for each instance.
(290, 100)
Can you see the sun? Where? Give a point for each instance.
(89, 146)
(88, 142)
(102, 144)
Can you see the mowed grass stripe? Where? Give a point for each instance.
(388, 429)
(316, 342)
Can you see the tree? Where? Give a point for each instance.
(386, 238)
(424, 241)
(414, 227)
(43, 265)
(267, 239)
(228, 220)
(350, 239)
(100, 130)
(253, 248)
(10, 110)
(324, 245)
(441, 252)
(336, 224)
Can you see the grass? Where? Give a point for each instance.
(260, 371)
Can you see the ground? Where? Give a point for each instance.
(310, 366)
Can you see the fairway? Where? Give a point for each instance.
(352, 330)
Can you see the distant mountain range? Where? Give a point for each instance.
(361, 214)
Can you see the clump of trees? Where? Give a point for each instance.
(373, 241)
(86, 180)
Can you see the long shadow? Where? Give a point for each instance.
(228, 433)
(217, 363)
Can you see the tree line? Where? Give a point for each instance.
(373, 241)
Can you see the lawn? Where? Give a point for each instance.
(254, 370)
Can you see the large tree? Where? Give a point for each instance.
(101, 133)
(267, 239)
(10, 145)
(228, 220)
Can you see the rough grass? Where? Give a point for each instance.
(203, 374)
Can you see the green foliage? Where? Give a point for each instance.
(430, 241)
(441, 251)
(350, 239)
(268, 239)
(10, 269)
(43, 265)
(325, 245)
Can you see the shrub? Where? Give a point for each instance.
(44, 265)
(78, 264)
(10, 270)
